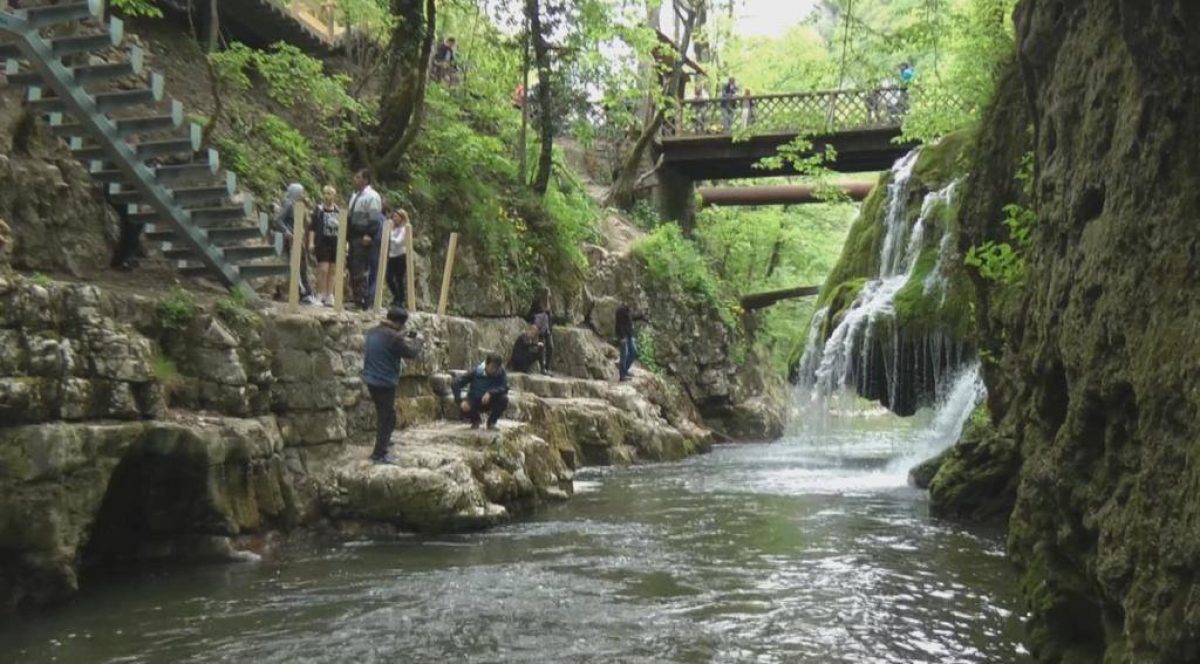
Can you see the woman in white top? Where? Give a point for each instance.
(397, 267)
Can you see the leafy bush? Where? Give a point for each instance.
(1004, 262)
(145, 8)
(177, 309)
(292, 77)
(674, 262)
(647, 354)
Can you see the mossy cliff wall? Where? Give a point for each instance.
(922, 329)
(1095, 361)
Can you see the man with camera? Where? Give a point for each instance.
(386, 345)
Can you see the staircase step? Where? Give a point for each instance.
(223, 237)
(194, 197)
(126, 127)
(154, 234)
(263, 270)
(87, 74)
(40, 17)
(119, 196)
(9, 51)
(107, 102)
(203, 169)
(172, 252)
(72, 44)
(252, 252)
(210, 216)
(101, 172)
(170, 146)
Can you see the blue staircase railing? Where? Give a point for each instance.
(144, 154)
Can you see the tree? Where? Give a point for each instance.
(541, 58)
(402, 106)
(621, 194)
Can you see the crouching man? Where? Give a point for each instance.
(487, 389)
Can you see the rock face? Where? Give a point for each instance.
(129, 434)
(691, 344)
(893, 320)
(1095, 372)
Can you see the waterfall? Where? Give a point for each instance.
(866, 342)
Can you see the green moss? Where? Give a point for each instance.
(860, 255)
(945, 160)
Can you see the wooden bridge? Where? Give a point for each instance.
(728, 138)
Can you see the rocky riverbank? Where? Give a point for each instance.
(137, 428)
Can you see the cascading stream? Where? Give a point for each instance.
(866, 341)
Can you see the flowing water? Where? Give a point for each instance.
(812, 549)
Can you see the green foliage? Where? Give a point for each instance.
(269, 153)
(143, 8)
(40, 279)
(292, 78)
(164, 370)
(1004, 262)
(672, 261)
(177, 309)
(234, 308)
(647, 354)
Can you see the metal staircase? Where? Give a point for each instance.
(134, 143)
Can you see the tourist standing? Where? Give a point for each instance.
(729, 93)
(445, 65)
(285, 220)
(487, 389)
(397, 265)
(366, 225)
(540, 316)
(323, 237)
(626, 340)
(385, 346)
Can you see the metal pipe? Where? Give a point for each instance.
(782, 194)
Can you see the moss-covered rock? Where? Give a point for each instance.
(976, 479)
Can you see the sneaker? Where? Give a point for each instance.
(308, 300)
(386, 459)
(626, 379)
(492, 426)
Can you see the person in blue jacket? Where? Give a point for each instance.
(385, 346)
(487, 389)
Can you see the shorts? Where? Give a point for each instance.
(325, 250)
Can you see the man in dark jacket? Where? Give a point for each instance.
(487, 389)
(383, 349)
(625, 339)
(527, 351)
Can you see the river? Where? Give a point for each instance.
(812, 549)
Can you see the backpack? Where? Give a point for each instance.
(329, 225)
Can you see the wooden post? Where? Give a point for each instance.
(385, 241)
(444, 299)
(339, 263)
(298, 217)
(410, 270)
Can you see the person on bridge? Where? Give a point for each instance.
(385, 346)
(747, 109)
(487, 389)
(729, 93)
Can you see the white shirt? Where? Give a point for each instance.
(399, 243)
(364, 206)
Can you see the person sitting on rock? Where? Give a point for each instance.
(527, 351)
(384, 348)
(487, 389)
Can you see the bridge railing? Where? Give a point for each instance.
(807, 112)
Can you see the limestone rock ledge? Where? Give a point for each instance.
(128, 434)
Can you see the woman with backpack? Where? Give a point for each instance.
(323, 236)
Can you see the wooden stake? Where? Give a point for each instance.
(381, 272)
(410, 271)
(339, 263)
(298, 217)
(445, 298)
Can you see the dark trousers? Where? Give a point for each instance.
(547, 339)
(397, 275)
(360, 260)
(495, 408)
(385, 417)
(628, 355)
(127, 243)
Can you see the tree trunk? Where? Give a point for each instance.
(402, 108)
(541, 57)
(621, 194)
